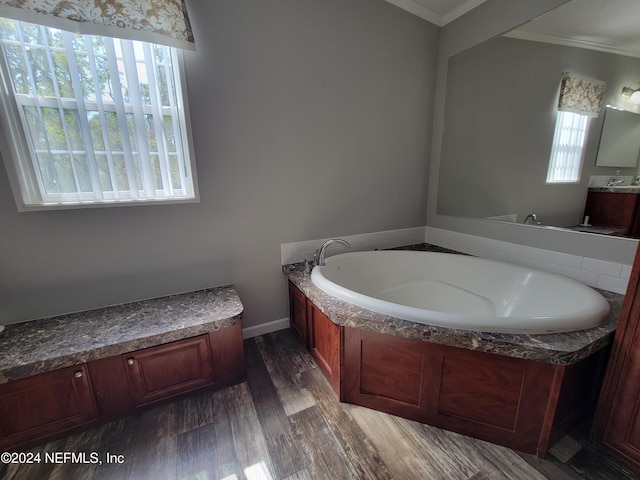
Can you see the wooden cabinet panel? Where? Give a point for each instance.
(617, 422)
(616, 210)
(499, 399)
(111, 388)
(482, 389)
(227, 356)
(324, 345)
(39, 406)
(580, 389)
(167, 370)
(164, 371)
(391, 370)
(317, 333)
(298, 314)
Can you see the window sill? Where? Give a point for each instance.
(103, 204)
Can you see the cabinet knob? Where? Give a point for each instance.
(78, 374)
(130, 361)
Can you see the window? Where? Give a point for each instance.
(92, 120)
(567, 148)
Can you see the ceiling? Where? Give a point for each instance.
(608, 25)
(439, 12)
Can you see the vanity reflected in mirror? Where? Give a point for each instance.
(501, 109)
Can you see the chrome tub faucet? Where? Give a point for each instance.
(318, 256)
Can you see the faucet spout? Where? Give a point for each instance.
(613, 181)
(532, 217)
(318, 256)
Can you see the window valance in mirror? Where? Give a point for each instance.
(581, 95)
(163, 22)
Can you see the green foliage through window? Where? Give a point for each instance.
(102, 117)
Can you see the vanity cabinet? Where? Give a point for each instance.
(617, 422)
(46, 404)
(614, 210)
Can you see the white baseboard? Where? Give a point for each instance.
(265, 328)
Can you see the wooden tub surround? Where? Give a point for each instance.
(520, 391)
(72, 372)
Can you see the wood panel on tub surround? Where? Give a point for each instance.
(522, 404)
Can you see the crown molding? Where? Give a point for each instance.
(421, 9)
(460, 10)
(571, 42)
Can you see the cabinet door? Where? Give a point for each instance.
(164, 371)
(37, 407)
(617, 421)
(324, 345)
(622, 432)
(298, 314)
(111, 388)
(615, 210)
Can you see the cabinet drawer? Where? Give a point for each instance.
(164, 371)
(35, 407)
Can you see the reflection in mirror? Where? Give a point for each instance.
(501, 109)
(620, 139)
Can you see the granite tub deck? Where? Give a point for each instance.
(557, 349)
(39, 346)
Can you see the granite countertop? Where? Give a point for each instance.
(617, 189)
(47, 344)
(616, 232)
(554, 348)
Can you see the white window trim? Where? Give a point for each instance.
(22, 177)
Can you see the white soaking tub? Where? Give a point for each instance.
(460, 291)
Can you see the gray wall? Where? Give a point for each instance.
(500, 129)
(311, 118)
(495, 17)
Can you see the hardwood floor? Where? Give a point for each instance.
(285, 422)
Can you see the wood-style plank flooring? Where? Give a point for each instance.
(285, 422)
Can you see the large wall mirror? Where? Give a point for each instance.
(501, 108)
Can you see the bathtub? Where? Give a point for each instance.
(460, 291)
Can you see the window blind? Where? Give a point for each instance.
(566, 151)
(103, 117)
